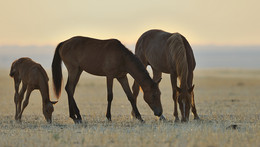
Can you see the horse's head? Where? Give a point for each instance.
(153, 98)
(184, 100)
(48, 110)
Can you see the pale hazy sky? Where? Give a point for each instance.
(48, 22)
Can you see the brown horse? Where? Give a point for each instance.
(169, 53)
(102, 58)
(33, 76)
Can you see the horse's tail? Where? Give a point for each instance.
(56, 71)
(178, 54)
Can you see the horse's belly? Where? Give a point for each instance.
(94, 71)
(161, 69)
(159, 66)
(104, 71)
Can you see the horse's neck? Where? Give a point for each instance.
(44, 89)
(139, 73)
(184, 81)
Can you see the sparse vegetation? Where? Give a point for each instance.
(229, 112)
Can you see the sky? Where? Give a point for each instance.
(202, 22)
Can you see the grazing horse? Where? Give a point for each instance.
(169, 53)
(102, 58)
(32, 76)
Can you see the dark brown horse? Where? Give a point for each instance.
(169, 53)
(102, 58)
(33, 76)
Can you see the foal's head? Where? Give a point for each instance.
(153, 99)
(184, 100)
(48, 110)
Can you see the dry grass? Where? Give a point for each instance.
(223, 98)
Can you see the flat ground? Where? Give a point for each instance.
(223, 98)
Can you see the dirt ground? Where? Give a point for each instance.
(227, 102)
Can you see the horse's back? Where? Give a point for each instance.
(152, 39)
(98, 57)
(152, 45)
(32, 72)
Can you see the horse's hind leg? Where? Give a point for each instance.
(124, 83)
(20, 99)
(193, 107)
(174, 96)
(26, 101)
(73, 78)
(16, 94)
(109, 96)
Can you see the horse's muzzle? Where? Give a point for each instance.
(157, 112)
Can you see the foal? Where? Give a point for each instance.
(32, 76)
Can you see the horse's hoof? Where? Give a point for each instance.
(77, 121)
(197, 118)
(177, 120)
(162, 118)
(140, 119)
(18, 120)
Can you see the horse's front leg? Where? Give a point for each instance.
(109, 96)
(193, 107)
(124, 83)
(136, 90)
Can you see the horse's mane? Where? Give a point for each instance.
(132, 58)
(44, 73)
(178, 54)
(35, 64)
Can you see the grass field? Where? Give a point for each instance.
(223, 98)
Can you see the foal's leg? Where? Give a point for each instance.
(20, 99)
(109, 96)
(124, 83)
(73, 78)
(26, 101)
(17, 82)
(174, 96)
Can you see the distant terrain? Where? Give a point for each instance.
(207, 56)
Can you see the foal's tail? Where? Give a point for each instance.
(56, 71)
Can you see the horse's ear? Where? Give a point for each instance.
(54, 102)
(158, 81)
(178, 89)
(191, 89)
